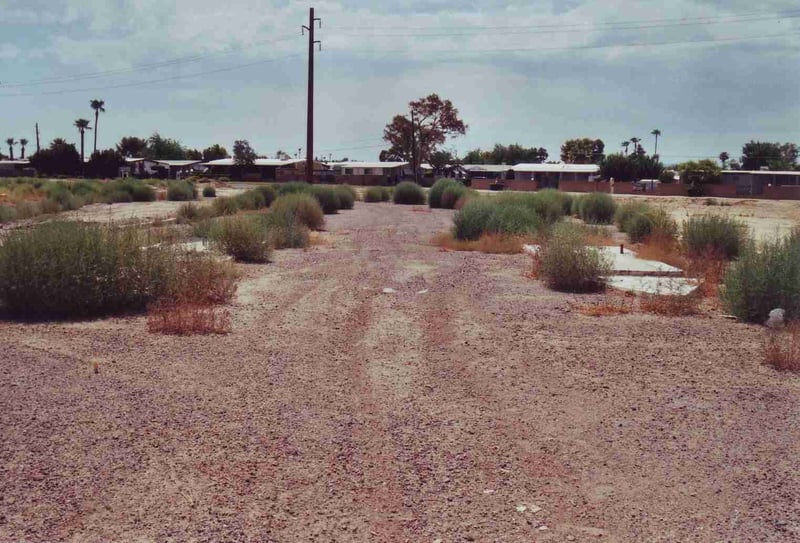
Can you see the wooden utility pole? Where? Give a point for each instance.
(37, 138)
(414, 149)
(310, 126)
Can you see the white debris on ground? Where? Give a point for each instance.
(662, 286)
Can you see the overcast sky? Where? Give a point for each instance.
(534, 73)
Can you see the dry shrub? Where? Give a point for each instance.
(782, 348)
(609, 306)
(669, 305)
(498, 244)
(182, 319)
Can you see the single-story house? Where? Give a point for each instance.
(369, 173)
(264, 169)
(16, 168)
(486, 171)
(752, 182)
(161, 169)
(549, 175)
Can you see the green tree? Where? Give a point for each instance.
(11, 143)
(694, 172)
(193, 154)
(161, 148)
(132, 147)
(774, 156)
(626, 144)
(22, 144)
(215, 152)
(82, 125)
(583, 151)
(724, 157)
(105, 164)
(243, 154)
(636, 146)
(631, 167)
(99, 107)
(434, 120)
(656, 132)
(61, 158)
(507, 154)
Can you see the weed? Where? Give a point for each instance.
(302, 208)
(243, 237)
(782, 348)
(225, 205)
(181, 191)
(438, 189)
(377, 194)
(408, 193)
(209, 192)
(327, 197)
(566, 264)
(596, 208)
(487, 243)
(347, 196)
(712, 234)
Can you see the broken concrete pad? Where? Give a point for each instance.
(662, 286)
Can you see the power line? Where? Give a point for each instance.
(788, 13)
(577, 47)
(141, 67)
(161, 80)
(472, 31)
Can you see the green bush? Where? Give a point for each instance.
(551, 205)
(113, 191)
(327, 197)
(209, 192)
(250, 200)
(181, 191)
(347, 196)
(225, 205)
(188, 212)
(515, 220)
(474, 219)
(268, 192)
(715, 236)
(765, 277)
(641, 221)
(293, 187)
(437, 191)
(243, 237)
(452, 194)
(596, 208)
(377, 194)
(408, 193)
(119, 197)
(302, 208)
(566, 264)
(7, 213)
(284, 231)
(141, 192)
(74, 269)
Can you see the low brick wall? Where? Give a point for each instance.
(781, 193)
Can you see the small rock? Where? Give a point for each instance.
(389, 291)
(570, 538)
(521, 508)
(776, 319)
(543, 528)
(423, 291)
(488, 491)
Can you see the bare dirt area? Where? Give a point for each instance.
(469, 404)
(766, 219)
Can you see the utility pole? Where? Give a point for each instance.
(414, 149)
(37, 137)
(310, 127)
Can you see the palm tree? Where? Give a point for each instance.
(82, 125)
(22, 143)
(635, 142)
(626, 144)
(11, 143)
(724, 158)
(98, 107)
(656, 132)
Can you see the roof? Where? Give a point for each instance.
(368, 164)
(177, 163)
(486, 167)
(23, 162)
(258, 162)
(547, 168)
(765, 172)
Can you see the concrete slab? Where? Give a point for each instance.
(662, 286)
(627, 263)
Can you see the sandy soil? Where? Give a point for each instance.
(472, 404)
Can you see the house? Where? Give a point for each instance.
(16, 168)
(369, 173)
(486, 171)
(549, 175)
(754, 182)
(264, 169)
(161, 169)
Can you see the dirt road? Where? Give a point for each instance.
(471, 404)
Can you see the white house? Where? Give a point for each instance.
(548, 175)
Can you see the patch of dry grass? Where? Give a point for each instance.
(497, 244)
(671, 305)
(183, 319)
(782, 348)
(608, 306)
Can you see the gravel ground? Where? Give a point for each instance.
(471, 404)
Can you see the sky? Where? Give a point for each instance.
(710, 75)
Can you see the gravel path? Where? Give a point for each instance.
(472, 404)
